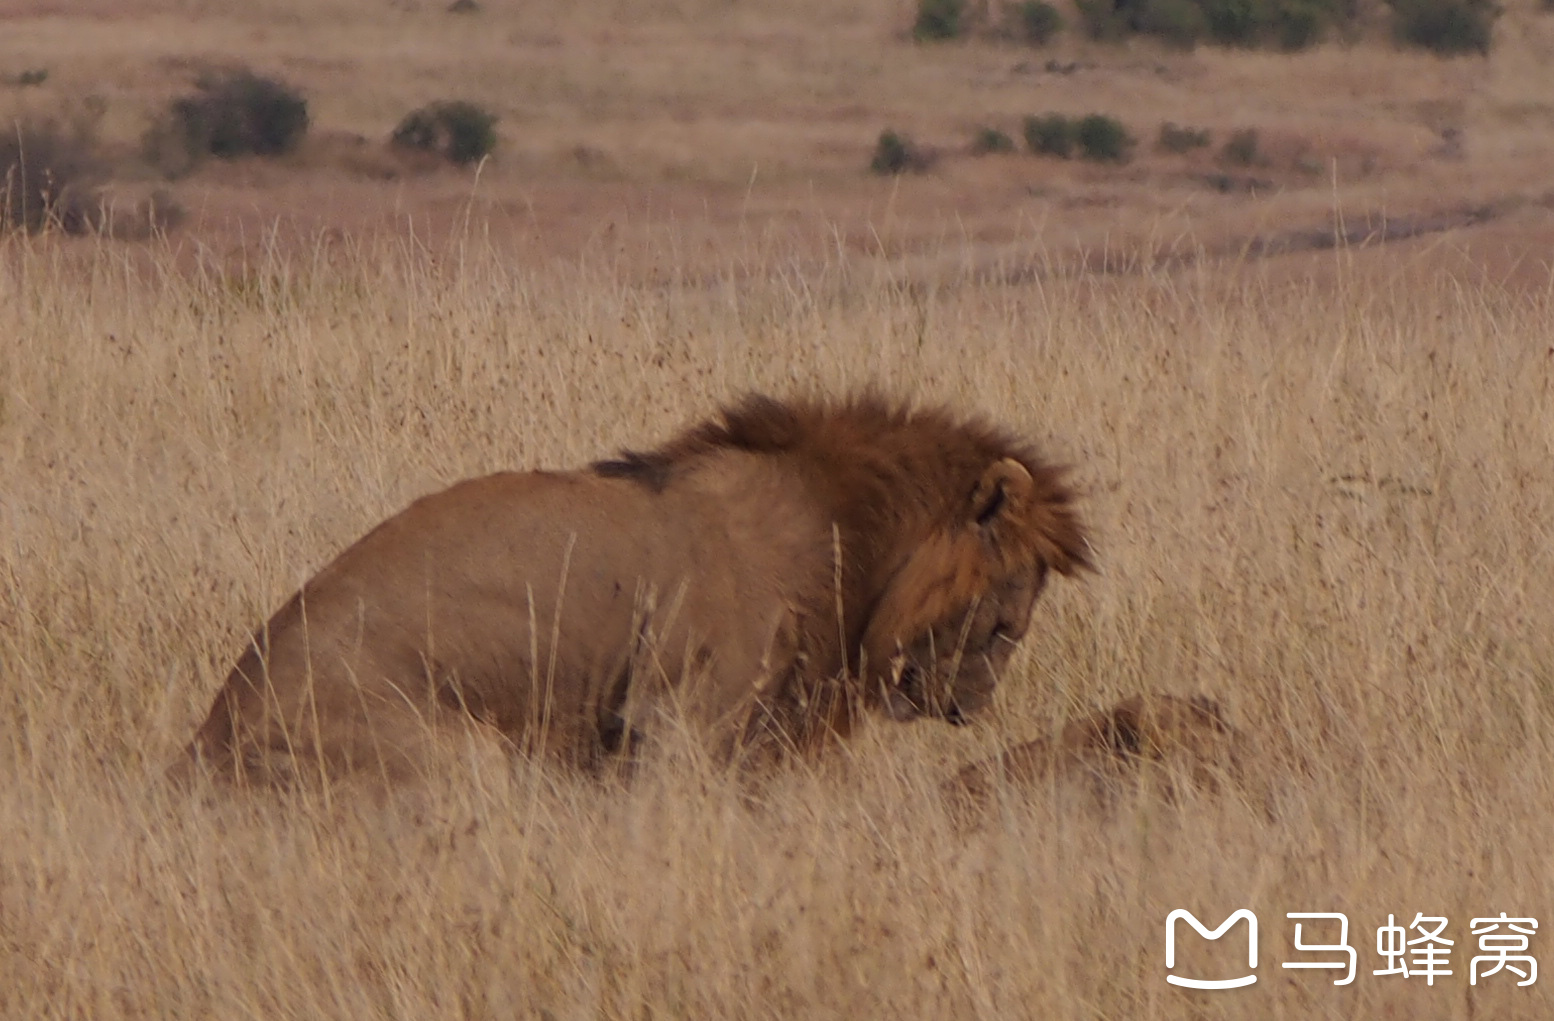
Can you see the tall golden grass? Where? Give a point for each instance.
(1330, 507)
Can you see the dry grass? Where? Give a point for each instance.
(1329, 508)
(1322, 487)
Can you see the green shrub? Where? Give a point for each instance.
(1051, 135)
(1178, 23)
(1446, 27)
(50, 177)
(896, 153)
(1101, 20)
(231, 113)
(938, 20)
(1179, 140)
(1103, 139)
(1287, 24)
(1241, 148)
(458, 131)
(1034, 21)
(991, 140)
(241, 113)
(1299, 24)
(1237, 22)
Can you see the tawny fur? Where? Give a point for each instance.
(1173, 743)
(760, 578)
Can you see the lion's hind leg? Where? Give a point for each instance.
(385, 746)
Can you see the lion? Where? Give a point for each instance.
(763, 578)
(1173, 742)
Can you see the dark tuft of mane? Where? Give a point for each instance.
(651, 470)
(758, 423)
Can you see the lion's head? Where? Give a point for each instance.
(945, 530)
(962, 599)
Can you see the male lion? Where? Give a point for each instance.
(763, 575)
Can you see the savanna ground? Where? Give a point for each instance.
(1321, 486)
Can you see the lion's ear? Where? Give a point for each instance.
(1005, 485)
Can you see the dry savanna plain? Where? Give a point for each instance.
(1308, 401)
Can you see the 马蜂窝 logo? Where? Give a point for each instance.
(1503, 941)
(1182, 914)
